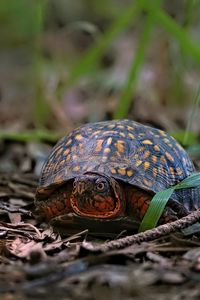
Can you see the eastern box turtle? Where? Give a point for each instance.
(110, 171)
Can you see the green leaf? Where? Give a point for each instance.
(159, 201)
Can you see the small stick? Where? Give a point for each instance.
(148, 235)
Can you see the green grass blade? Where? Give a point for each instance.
(160, 200)
(191, 181)
(155, 209)
(195, 104)
(182, 36)
(190, 7)
(135, 68)
(92, 56)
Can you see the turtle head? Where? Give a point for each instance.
(97, 196)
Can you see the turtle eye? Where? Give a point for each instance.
(101, 185)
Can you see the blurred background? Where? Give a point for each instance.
(64, 63)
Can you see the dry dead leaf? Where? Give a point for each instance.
(15, 218)
(22, 247)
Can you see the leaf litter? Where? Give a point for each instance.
(36, 261)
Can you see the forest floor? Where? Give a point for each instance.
(37, 262)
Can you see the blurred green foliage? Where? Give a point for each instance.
(24, 22)
(21, 21)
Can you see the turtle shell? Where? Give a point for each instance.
(140, 155)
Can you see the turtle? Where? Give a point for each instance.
(110, 170)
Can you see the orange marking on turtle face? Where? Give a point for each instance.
(156, 148)
(154, 158)
(74, 157)
(68, 157)
(78, 137)
(66, 151)
(169, 156)
(146, 165)
(131, 135)
(99, 145)
(122, 171)
(129, 173)
(104, 205)
(120, 145)
(76, 168)
(147, 142)
(138, 163)
(146, 154)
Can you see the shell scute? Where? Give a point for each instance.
(126, 150)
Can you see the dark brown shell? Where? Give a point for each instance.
(139, 155)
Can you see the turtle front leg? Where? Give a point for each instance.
(58, 203)
(173, 211)
(138, 202)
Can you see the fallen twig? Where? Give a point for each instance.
(148, 235)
